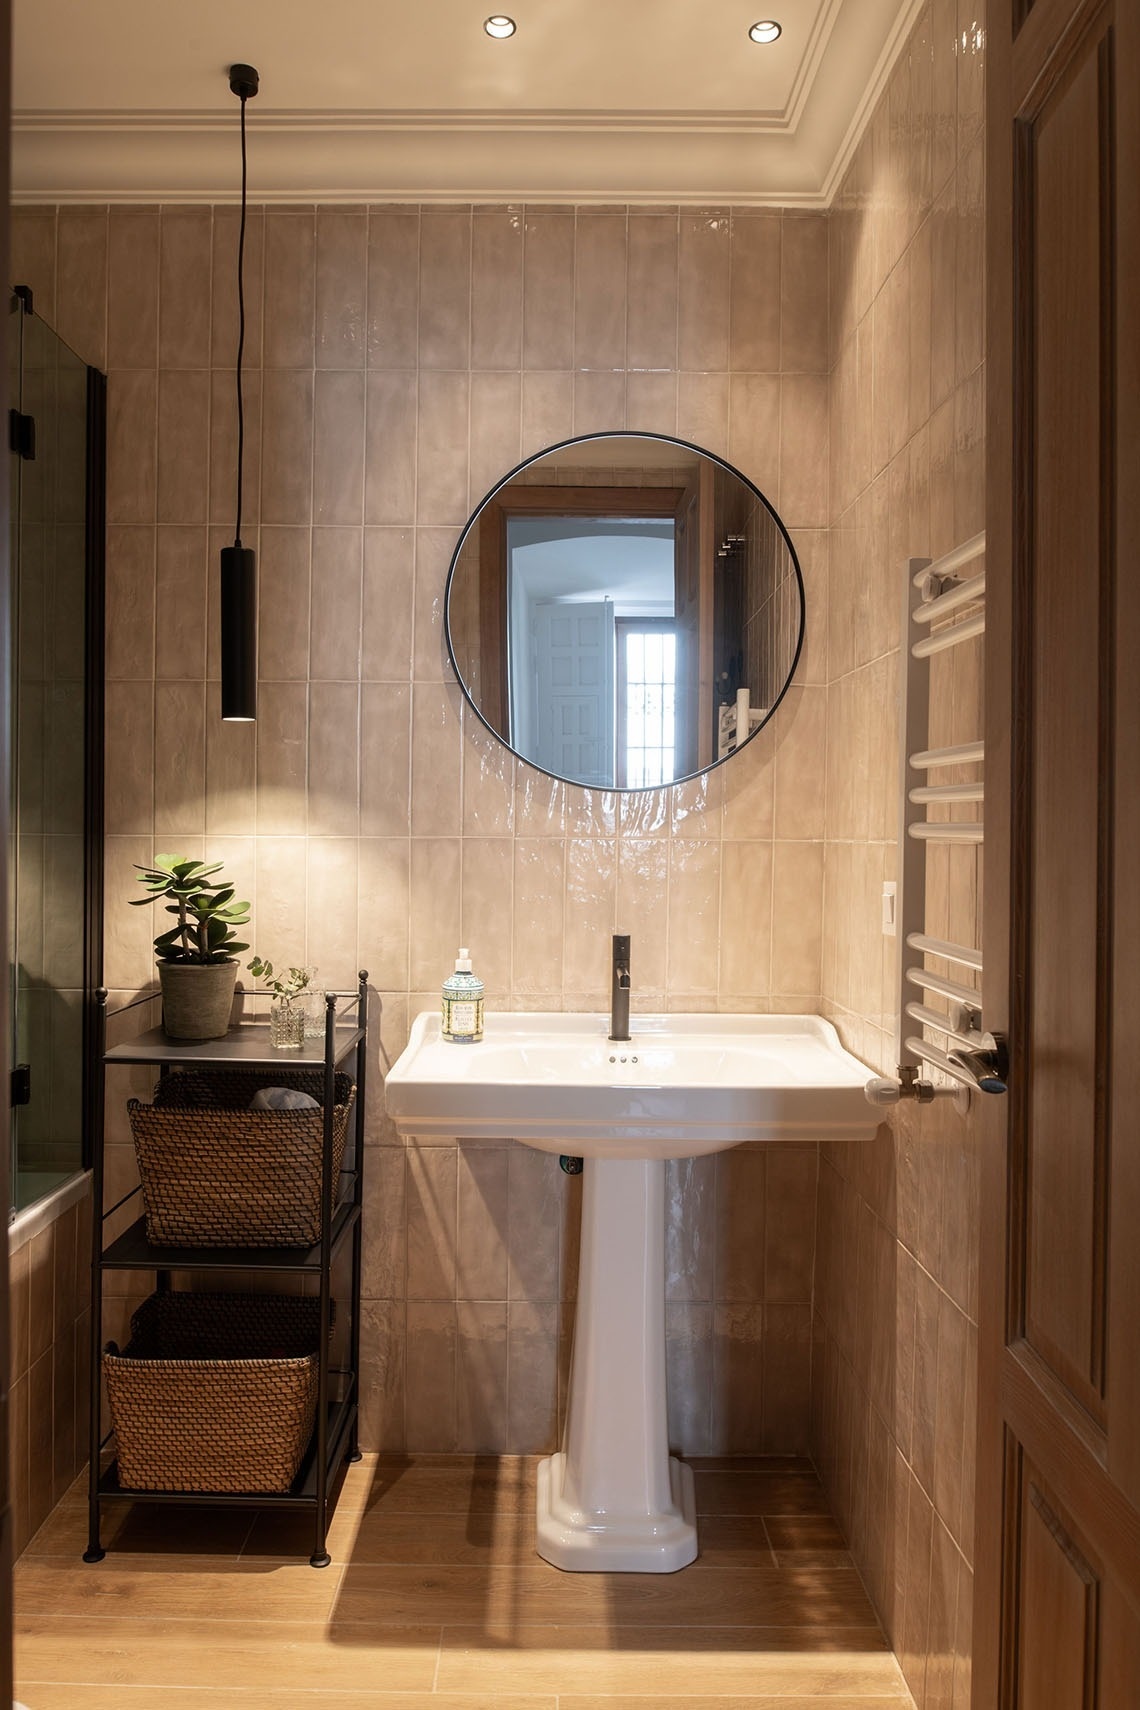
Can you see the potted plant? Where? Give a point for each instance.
(287, 1017)
(197, 957)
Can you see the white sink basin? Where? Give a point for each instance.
(613, 1499)
(682, 1085)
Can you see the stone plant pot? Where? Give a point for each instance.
(197, 998)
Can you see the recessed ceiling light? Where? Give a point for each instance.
(766, 31)
(500, 26)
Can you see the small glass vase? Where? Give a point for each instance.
(313, 1003)
(286, 1024)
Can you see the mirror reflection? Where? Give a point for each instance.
(624, 611)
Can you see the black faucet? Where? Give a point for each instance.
(619, 988)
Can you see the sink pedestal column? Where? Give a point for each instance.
(614, 1500)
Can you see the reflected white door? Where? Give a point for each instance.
(574, 690)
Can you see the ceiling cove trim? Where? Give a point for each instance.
(738, 159)
(908, 16)
(810, 61)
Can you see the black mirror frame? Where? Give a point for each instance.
(588, 439)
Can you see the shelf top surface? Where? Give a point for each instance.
(132, 1251)
(247, 1046)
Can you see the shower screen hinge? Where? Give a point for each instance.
(22, 435)
(22, 1084)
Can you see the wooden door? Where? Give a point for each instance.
(1057, 1605)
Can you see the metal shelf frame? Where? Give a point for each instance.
(335, 1436)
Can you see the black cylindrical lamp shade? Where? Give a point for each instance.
(239, 633)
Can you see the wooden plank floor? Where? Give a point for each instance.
(436, 1598)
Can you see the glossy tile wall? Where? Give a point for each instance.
(896, 1285)
(398, 362)
(49, 1343)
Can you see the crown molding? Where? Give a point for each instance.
(908, 15)
(698, 159)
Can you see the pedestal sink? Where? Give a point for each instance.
(613, 1499)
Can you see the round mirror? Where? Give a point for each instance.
(624, 610)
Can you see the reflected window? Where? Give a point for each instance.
(647, 703)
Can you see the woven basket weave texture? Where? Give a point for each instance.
(215, 1392)
(216, 1174)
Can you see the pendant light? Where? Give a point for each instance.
(239, 567)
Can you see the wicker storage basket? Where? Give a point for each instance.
(215, 1392)
(216, 1174)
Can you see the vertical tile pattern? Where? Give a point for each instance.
(398, 362)
(894, 1333)
(49, 1279)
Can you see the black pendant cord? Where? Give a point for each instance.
(241, 331)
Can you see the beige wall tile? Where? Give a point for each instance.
(754, 430)
(481, 1381)
(223, 449)
(442, 450)
(390, 447)
(485, 922)
(132, 288)
(746, 924)
(334, 619)
(382, 922)
(287, 446)
(341, 314)
(600, 291)
(435, 762)
(132, 460)
(591, 888)
(652, 295)
(32, 238)
(386, 623)
(338, 448)
(131, 642)
(694, 910)
(803, 500)
(435, 910)
(393, 287)
(755, 295)
(330, 903)
(290, 289)
(223, 300)
(430, 1375)
(547, 410)
(282, 738)
(431, 1188)
(532, 1378)
(183, 446)
(538, 921)
(185, 257)
(81, 281)
(481, 1226)
(334, 759)
(548, 292)
(704, 300)
(496, 428)
(445, 290)
(179, 761)
(385, 759)
(804, 293)
(496, 289)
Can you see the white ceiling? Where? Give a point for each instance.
(364, 100)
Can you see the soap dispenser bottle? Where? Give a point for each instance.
(462, 1003)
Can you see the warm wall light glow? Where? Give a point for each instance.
(766, 31)
(500, 25)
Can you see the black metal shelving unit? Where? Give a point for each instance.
(334, 1439)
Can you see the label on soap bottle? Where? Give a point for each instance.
(462, 1018)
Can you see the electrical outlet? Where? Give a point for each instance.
(890, 896)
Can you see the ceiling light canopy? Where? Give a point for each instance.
(500, 26)
(765, 31)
